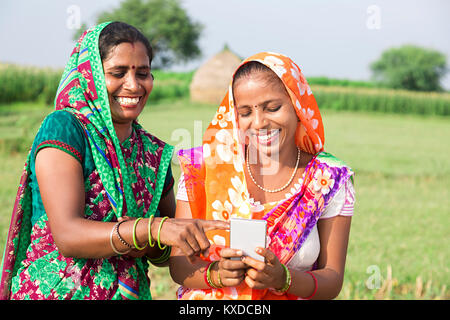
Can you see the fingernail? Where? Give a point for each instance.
(239, 252)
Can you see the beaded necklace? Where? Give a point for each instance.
(281, 188)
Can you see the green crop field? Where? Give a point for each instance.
(400, 230)
(32, 84)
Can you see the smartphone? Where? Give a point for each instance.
(247, 235)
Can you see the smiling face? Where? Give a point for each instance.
(128, 81)
(265, 113)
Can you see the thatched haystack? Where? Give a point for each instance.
(210, 81)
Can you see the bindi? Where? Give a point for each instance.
(133, 67)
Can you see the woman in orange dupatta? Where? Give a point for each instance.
(263, 157)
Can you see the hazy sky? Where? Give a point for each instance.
(331, 38)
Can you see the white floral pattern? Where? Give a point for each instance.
(323, 182)
(298, 105)
(225, 146)
(309, 114)
(295, 74)
(206, 150)
(320, 144)
(222, 211)
(276, 65)
(303, 86)
(221, 117)
(238, 166)
(219, 241)
(237, 195)
(222, 145)
(296, 188)
(255, 206)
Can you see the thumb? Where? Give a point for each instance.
(269, 255)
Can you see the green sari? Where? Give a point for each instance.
(127, 179)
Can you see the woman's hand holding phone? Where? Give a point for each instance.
(265, 274)
(257, 274)
(248, 260)
(231, 271)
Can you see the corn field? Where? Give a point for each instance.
(382, 100)
(30, 84)
(23, 84)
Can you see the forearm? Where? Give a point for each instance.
(83, 238)
(189, 275)
(329, 283)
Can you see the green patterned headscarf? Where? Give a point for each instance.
(82, 92)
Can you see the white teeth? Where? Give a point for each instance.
(268, 136)
(127, 101)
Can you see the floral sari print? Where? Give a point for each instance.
(217, 189)
(128, 180)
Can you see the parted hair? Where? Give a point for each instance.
(118, 32)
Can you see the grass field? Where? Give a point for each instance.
(400, 231)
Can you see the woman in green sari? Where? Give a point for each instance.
(95, 202)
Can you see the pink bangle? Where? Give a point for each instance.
(315, 286)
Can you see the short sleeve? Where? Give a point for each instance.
(61, 130)
(342, 202)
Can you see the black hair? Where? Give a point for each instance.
(116, 33)
(255, 67)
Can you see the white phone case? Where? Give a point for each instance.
(247, 235)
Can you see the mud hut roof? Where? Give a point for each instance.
(210, 81)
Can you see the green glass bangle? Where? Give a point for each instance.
(208, 275)
(287, 285)
(163, 258)
(166, 255)
(134, 235)
(150, 220)
(159, 232)
(219, 279)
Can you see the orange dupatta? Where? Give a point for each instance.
(214, 176)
